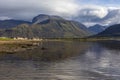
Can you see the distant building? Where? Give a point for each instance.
(20, 38)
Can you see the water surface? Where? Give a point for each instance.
(70, 60)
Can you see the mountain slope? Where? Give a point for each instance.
(11, 23)
(45, 26)
(112, 31)
(97, 28)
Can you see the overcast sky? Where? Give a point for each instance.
(27, 9)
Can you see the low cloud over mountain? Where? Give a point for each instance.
(99, 15)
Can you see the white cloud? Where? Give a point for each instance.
(21, 9)
(88, 14)
(4, 18)
(96, 11)
(92, 14)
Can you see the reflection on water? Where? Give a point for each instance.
(111, 44)
(49, 51)
(63, 61)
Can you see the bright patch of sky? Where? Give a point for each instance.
(100, 2)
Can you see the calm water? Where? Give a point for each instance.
(64, 61)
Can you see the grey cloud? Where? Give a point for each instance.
(26, 9)
(103, 15)
(70, 9)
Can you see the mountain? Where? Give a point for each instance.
(46, 26)
(97, 28)
(112, 31)
(43, 18)
(11, 23)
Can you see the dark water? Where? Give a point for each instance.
(64, 61)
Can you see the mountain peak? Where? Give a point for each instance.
(40, 18)
(97, 28)
(43, 18)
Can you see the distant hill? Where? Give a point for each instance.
(112, 31)
(46, 26)
(11, 23)
(97, 28)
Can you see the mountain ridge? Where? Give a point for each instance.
(112, 31)
(46, 26)
(11, 23)
(97, 28)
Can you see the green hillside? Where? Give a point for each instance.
(45, 26)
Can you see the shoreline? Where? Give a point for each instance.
(13, 46)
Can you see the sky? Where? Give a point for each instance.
(88, 12)
(100, 2)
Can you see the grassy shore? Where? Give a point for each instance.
(13, 46)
